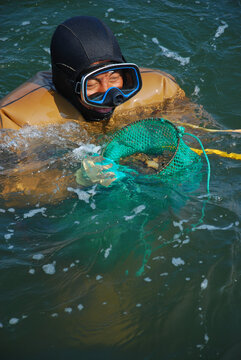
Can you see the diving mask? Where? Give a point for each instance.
(109, 85)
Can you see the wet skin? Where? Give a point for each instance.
(100, 84)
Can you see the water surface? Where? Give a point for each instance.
(142, 269)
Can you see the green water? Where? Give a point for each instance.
(122, 272)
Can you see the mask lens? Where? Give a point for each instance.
(96, 97)
(96, 86)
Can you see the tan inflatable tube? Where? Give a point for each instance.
(37, 103)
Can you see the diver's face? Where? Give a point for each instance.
(101, 83)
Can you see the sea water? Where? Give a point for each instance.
(141, 269)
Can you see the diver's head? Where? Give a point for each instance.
(89, 69)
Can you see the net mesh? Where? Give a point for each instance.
(152, 146)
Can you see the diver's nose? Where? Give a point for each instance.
(104, 86)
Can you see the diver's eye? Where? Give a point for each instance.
(92, 84)
(114, 77)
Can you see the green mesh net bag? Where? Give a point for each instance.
(152, 147)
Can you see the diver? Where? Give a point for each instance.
(89, 69)
(91, 73)
(92, 85)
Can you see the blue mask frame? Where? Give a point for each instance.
(103, 100)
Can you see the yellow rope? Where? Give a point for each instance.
(208, 130)
(213, 151)
(219, 152)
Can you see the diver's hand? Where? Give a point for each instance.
(98, 170)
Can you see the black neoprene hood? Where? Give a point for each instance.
(82, 40)
(76, 44)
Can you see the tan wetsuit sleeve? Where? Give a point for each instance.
(36, 103)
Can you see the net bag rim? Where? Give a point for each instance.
(159, 120)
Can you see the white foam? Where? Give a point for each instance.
(107, 252)
(186, 241)
(85, 149)
(164, 274)
(220, 29)
(24, 23)
(171, 54)
(3, 38)
(155, 41)
(93, 206)
(1, 325)
(179, 224)
(138, 305)
(204, 284)
(68, 310)
(82, 195)
(176, 237)
(196, 90)
(46, 49)
(8, 236)
(54, 314)
(31, 271)
(174, 55)
(139, 209)
(129, 217)
(120, 21)
(99, 277)
(158, 258)
(2, 211)
(147, 279)
(38, 257)
(33, 212)
(177, 261)
(136, 211)
(49, 269)
(80, 307)
(108, 11)
(13, 321)
(211, 227)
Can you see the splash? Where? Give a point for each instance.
(221, 29)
